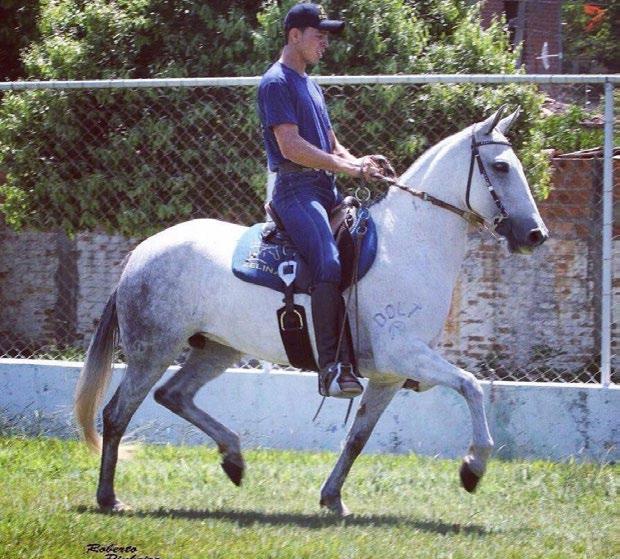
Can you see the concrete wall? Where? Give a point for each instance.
(274, 410)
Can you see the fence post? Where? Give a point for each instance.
(607, 237)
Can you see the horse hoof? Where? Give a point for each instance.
(116, 507)
(469, 479)
(336, 506)
(233, 470)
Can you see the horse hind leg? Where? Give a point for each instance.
(135, 385)
(206, 361)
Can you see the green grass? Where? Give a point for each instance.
(406, 506)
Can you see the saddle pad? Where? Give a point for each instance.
(257, 261)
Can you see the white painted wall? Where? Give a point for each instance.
(274, 410)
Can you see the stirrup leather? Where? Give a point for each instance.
(330, 382)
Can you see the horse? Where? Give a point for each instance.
(178, 285)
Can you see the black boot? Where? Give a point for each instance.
(336, 376)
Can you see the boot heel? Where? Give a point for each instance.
(339, 381)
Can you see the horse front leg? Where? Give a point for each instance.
(374, 401)
(430, 368)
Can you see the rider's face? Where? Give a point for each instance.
(312, 44)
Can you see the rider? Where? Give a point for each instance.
(304, 151)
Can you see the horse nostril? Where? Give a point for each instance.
(536, 237)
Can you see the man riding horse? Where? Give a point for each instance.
(304, 152)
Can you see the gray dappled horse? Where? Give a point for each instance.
(178, 285)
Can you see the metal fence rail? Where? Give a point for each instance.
(111, 161)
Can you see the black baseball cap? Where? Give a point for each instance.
(311, 15)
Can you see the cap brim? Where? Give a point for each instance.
(331, 25)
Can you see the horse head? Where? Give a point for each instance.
(497, 188)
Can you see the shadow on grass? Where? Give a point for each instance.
(319, 520)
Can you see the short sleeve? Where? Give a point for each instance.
(277, 104)
(324, 112)
(328, 120)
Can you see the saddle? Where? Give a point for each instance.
(345, 222)
(265, 255)
(264, 247)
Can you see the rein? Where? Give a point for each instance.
(468, 215)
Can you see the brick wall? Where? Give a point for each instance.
(100, 264)
(518, 314)
(28, 293)
(540, 23)
(53, 289)
(490, 9)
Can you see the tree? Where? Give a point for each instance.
(591, 36)
(154, 157)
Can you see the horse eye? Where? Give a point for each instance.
(501, 166)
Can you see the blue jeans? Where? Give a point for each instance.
(303, 202)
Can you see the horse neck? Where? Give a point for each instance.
(411, 229)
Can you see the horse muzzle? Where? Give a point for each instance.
(523, 236)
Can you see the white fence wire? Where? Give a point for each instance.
(88, 168)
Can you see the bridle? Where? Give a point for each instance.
(475, 156)
(470, 215)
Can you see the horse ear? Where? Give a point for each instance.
(504, 125)
(490, 123)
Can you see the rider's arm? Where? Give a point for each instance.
(339, 150)
(302, 152)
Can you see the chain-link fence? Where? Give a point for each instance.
(88, 169)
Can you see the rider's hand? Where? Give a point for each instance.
(376, 167)
(384, 164)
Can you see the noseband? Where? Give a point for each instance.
(470, 215)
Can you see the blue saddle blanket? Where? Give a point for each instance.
(256, 260)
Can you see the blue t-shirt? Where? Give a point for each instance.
(286, 97)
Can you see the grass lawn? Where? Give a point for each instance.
(405, 506)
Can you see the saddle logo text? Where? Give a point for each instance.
(265, 258)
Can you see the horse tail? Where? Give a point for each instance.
(95, 375)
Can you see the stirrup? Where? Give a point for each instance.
(331, 383)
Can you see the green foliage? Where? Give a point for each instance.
(566, 131)
(130, 161)
(591, 41)
(134, 161)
